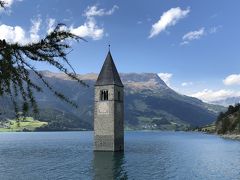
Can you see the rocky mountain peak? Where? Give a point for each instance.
(138, 81)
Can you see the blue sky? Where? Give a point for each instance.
(193, 45)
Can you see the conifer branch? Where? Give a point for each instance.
(15, 67)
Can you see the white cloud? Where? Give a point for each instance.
(214, 29)
(166, 77)
(12, 34)
(184, 42)
(8, 3)
(210, 95)
(94, 11)
(34, 36)
(184, 84)
(193, 35)
(50, 25)
(16, 34)
(88, 29)
(233, 79)
(168, 18)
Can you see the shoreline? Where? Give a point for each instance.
(231, 136)
(225, 136)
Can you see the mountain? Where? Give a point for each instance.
(149, 104)
(227, 102)
(229, 121)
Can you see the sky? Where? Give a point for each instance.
(192, 45)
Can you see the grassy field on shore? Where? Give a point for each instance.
(209, 128)
(27, 124)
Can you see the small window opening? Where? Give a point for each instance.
(119, 96)
(104, 95)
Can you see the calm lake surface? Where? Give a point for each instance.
(148, 155)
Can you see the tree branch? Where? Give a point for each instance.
(15, 65)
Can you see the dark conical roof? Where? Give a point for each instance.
(109, 74)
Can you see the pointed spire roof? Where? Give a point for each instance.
(109, 74)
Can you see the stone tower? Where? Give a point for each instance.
(109, 109)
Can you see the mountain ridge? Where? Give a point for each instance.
(149, 103)
(227, 101)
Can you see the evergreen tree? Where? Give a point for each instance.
(15, 67)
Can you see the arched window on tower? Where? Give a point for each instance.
(119, 96)
(104, 95)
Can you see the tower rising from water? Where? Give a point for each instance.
(109, 109)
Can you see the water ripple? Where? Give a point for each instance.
(148, 155)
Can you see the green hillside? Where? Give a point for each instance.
(24, 124)
(229, 122)
(149, 104)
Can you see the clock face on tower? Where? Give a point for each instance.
(103, 108)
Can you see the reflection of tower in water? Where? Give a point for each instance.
(109, 165)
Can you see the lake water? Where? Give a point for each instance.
(148, 155)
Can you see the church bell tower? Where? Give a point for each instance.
(109, 109)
